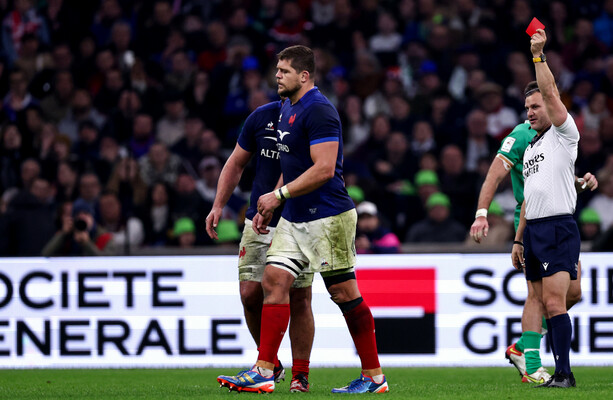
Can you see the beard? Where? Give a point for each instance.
(286, 91)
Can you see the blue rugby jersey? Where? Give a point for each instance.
(259, 136)
(312, 120)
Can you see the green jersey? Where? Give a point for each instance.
(511, 153)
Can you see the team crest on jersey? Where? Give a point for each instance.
(507, 145)
(270, 126)
(292, 119)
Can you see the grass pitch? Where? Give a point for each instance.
(405, 383)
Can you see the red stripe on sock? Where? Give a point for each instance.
(275, 318)
(361, 325)
(300, 367)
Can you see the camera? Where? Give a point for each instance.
(80, 225)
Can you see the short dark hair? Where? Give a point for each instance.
(301, 58)
(531, 88)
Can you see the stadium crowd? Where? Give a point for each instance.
(117, 116)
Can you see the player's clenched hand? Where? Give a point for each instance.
(211, 222)
(517, 256)
(260, 224)
(267, 204)
(479, 229)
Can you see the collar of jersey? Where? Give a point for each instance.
(537, 137)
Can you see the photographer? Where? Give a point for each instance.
(79, 234)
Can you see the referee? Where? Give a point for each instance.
(547, 241)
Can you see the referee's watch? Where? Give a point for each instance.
(539, 59)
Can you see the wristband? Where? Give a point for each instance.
(482, 212)
(518, 242)
(279, 195)
(285, 192)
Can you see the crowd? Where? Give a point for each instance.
(117, 116)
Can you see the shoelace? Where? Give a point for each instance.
(356, 383)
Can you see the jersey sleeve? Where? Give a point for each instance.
(246, 139)
(323, 124)
(568, 130)
(513, 146)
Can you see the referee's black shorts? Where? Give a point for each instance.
(551, 245)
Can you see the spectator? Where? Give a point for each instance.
(28, 223)
(127, 183)
(79, 234)
(372, 236)
(107, 16)
(189, 203)
(21, 21)
(227, 232)
(156, 215)
(171, 127)
(30, 171)
(143, 135)
(66, 183)
(479, 144)
(32, 59)
(589, 224)
(181, 71)
(184, 232)
(385, 44)
(18, 98)
(602, 202)
(159, 165)
(438, 226)
(459, 184)
(120, 120)
(81, 110)
(108, 96)
(57, 104)
(188, 146)
(127, 233)
(11, 156)
(90, 189)
(501, 119)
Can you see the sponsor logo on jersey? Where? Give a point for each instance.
(282, 134)
(242, 252)
(292, 119)
(507, 145)
(268, 153)
(270, 126)
(545, 265)
(531, 166)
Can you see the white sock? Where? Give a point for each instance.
(265, 372)
(378, 378)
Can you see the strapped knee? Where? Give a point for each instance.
(350, 305)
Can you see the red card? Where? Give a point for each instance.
(534, 25)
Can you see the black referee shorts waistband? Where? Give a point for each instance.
(547, 219)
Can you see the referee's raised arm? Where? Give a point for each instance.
(546, 82)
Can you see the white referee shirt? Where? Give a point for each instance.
(549, 172)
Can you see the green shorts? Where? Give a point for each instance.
(325, 245)
(252, 257)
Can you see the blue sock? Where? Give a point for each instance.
(550, 339)
(562, 332)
